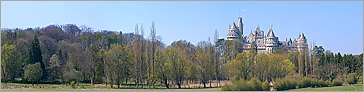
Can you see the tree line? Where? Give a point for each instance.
(66, 53)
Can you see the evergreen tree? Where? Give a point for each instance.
(35, 55)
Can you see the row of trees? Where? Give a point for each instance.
(65, 53)
(261, 66)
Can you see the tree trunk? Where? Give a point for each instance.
(93, 77)
(166, 83)
(111, 84)
(118, 85)
(126, 81)
(179, 85)
(188, 84)
(210, 83)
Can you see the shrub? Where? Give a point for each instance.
(307, 82)
(255, 84)
(320, 83)
(72, 84)
(280, 84)
(337, 82)
(352, 78)
(285, 84)
(328, 83)
(360, 81)
(265, 86)
(226, 87)
(243, 85)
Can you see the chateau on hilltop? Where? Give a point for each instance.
(264, 44)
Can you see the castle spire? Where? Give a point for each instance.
(240, 25)
(234, 25)
(271, 33)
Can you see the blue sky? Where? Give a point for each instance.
(338, 26)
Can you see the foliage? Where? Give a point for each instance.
(54, 68)
(10, 62)
(285, 84)
(355, 87)
(35, 55)
(117, 64)
(265, 67)
(352, 78)
(33, 72)
(337, 82)
(72, 83)
(78, 53)
(289, 83)
(246, 85)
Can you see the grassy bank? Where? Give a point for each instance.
(355, 87)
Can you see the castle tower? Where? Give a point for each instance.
(271, 42)
(301, 43)
(234, 33)
(240, 25)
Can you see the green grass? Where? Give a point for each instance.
(23, 84)
(86, 87)
(355, 87)
(126, 90)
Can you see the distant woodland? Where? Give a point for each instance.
(64, 54)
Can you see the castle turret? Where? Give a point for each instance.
(301, 43)
(271, 42)
(233, 33)
(240, 25)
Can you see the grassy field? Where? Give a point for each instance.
(88, 87)
(107, 90)
(355, 87)
(9, 87)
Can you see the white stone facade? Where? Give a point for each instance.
(264, 44)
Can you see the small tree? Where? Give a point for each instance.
(10, 62)
(54, 68)
(33, 72)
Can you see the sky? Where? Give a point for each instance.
(337, 26)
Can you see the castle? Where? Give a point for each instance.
(264, 44)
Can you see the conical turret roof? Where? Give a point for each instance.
(302, 36)
(271, 33)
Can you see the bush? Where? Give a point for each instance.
(307, 82)
(226, 87)
(337, 82)
(280, 84)
(72, 84)
(243, 85)
(352, 78)
(318, 83)
(255, 84)
(285, 84)
(321, 83)
(265, 86)
(360, 81)
(328, 83)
